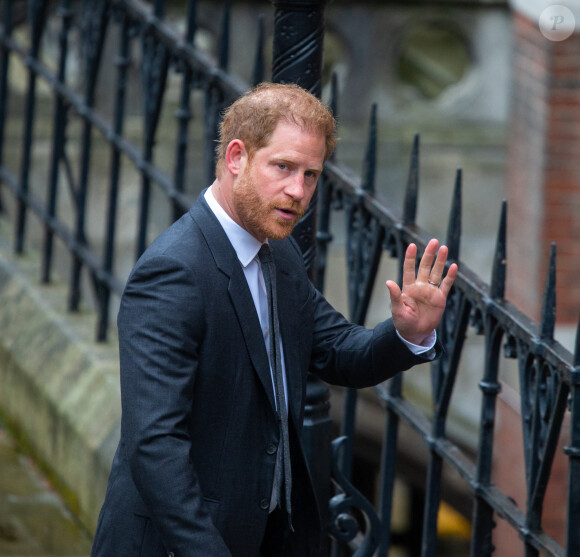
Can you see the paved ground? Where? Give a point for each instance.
(33, 519)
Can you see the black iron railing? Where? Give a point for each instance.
(149, 152)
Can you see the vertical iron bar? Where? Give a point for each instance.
(388, 458)
(481, 544)
(439, 378)
(323, 235)
(58, 141)
(573, 453)
(258, 73)
(370, 162)
(355, 279)
(122, 62)
(191, 27)
(546, 333)
(183, 113)
(537, 494)
(368, 253)
(224, 45)
(95, 23)
(7, 23)
(548, 316)
(388, 471)
(159, 8)
(455, 219)
(412, 189)
(532, 518)
(154, 67)
(431, 505)
(297, 58)
(214, 99)
(541, 460)
(37, 20)
(347, 430)
(498, 277)
(213, 103)
(446, 382)
(483, 523)
(353, 252)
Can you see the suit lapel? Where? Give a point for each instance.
(227, 262)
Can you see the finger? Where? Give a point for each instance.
(409, 265)
(439, 267)
(427, 260)
(449, 279)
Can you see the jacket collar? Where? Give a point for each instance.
(227, 262)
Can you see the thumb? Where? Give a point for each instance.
(394, 292)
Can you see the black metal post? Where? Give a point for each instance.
(58, 140)
(297, 58)
(37, 17)
(7, 25)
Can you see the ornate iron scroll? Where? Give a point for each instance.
(347, 507)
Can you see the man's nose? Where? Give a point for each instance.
(295, 187)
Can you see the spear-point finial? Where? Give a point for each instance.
(548, 319)
(577, 347)
(371, 153)
(191, 22)
(498, 278)
(159, 9)
(224, 49)
(455, 219)
(412, 190)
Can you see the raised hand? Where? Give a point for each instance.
(418, 307)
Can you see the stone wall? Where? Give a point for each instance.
(60, 390)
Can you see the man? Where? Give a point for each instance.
(202, 469)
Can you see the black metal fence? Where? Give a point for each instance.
(121, 166)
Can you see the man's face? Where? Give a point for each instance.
(275, 187)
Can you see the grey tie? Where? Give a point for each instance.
(284, 471)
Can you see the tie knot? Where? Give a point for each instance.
(265, 254)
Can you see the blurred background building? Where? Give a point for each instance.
(487, 91)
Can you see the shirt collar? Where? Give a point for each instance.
(244, 244)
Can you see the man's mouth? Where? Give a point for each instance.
(289, 214)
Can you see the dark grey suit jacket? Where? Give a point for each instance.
(194, 469)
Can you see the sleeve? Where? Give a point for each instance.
(161, 326)
(350, 355)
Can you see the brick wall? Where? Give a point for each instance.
(543, 174)
(543, 193)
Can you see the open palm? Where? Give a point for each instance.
(418, 306)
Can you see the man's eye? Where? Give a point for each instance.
(282, 166)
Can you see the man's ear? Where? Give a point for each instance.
(236, 156)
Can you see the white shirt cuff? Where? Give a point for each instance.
(422, 349)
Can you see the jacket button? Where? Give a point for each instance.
(264, 504)
(171, 554)
(272, 449)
